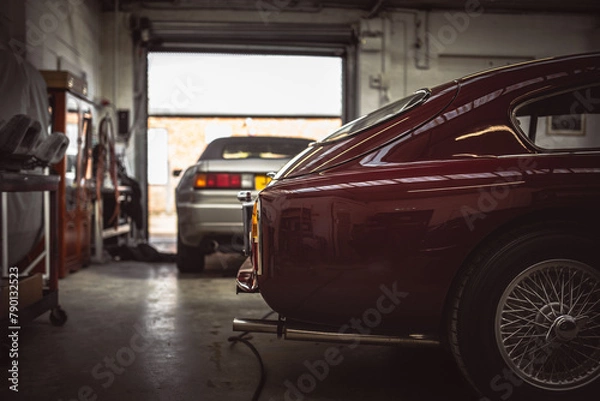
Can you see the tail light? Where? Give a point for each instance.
(254, 227)
(223, 181)
(252, 231)
(254, 238)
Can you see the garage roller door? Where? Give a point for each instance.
(317, 39)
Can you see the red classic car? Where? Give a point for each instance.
(465, 215)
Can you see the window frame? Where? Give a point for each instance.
(531, 140)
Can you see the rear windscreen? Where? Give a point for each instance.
(379, 115)
(255, 149)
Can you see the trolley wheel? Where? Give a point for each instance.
(58, 316)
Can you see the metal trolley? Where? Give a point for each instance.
(48, 184)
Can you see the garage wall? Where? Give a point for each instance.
(12, 23)
(65, 35)
(120, 84)
(587, 139)
(73, 35)
(460, 42)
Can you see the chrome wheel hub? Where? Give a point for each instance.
(548, 325)
(565, 328)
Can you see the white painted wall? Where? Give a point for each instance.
(117, 74)
(460, 44)
(587, 138)
(121, 83)
(65, 35)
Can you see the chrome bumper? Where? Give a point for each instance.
(246, 278)
(245, 197)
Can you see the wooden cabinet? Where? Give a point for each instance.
(73, 115)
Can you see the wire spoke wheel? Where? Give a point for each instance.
(547, 325)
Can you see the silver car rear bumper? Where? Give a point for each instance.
(208, 214)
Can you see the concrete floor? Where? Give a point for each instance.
(139, 331)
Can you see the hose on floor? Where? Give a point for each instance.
(263, 374)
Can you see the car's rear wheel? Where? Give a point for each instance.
(525, 320)
(189, 259)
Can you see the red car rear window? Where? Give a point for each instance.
(380, 115)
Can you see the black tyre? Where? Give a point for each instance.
(525, 319)
(189, 259)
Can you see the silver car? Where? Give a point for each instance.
(208, 212)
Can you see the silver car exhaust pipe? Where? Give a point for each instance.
(299, 332)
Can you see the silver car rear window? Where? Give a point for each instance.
(254, 148)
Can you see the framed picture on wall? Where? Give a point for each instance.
(568, 124)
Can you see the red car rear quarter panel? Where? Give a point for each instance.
(405, 213)
(331, 242)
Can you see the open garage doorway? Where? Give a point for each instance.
(195, 98)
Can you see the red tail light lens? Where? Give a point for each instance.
(218, 180)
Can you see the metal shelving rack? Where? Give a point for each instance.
(48, 184)
(123, 231)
